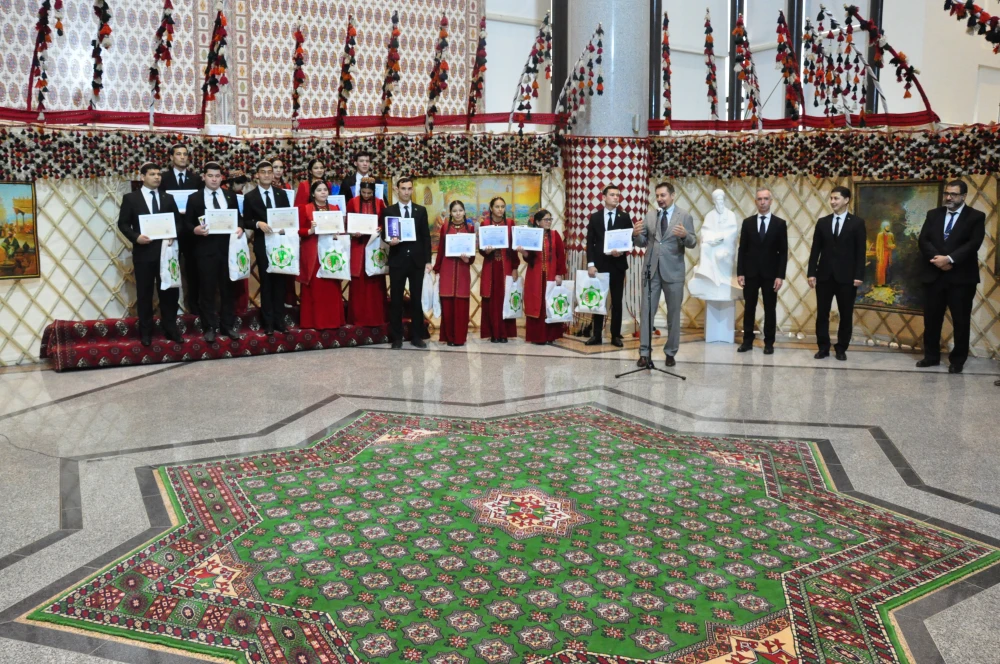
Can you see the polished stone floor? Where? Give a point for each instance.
(76, 448)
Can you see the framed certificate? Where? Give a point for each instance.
(181, 198)
(402, 228)
(366, 224)
(339, 201)
(620, 240)
(221, 222)
(460, 244)
(329, 222)
(529, 239)
(283, 219)
(158, 226)
(493, 236)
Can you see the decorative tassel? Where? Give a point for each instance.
(439, 75)
(665, 61)
(540, 55)
(347, 61)
(298, 75)
(392, 71)
(478, 77)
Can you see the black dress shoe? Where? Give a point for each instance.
(768, 350)
(924, 363)
(670, 361)
(210, 336)
(956, 368)
(397, 345)
(593, 341)
(617, 342)
(494, 340)
(232, 333)
(642, 363)
(175, 336)
(280, 327)
(821, 355)
(146, 340)
(744, 348)
(418, 343)
(841, 355)
(997, 383)
(269, 330)
(504, 340)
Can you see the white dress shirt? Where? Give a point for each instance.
(609, 222)
(149, 194)
(947, 216)
(767, 222)
(269, 191)
(185, 173)
(841, 218)
(210, 204)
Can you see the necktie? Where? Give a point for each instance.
(267, 199)
(180, 178)
(611, 220)
(763, 228)
(663, 222)
(950, 225)
(215, 200)
(155, 208)
(836, 227)
(406, 211)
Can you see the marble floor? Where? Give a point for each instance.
(76, 449)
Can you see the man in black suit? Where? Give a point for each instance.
(760, 266)
(146, 254)
(836, 269)
(212, 252)
(178, 176)
(949, 243)
(407, 260)
(363, 166)
(256, 203)
(609, 217)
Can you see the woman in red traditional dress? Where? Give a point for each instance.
(315, 172)
(455, 280)
(322, 301)
(498, 264)
(367, 303)
(546, 265)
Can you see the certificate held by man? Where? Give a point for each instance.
(529, 239)
(283, 219)
(494, 237)
(618, 240)
(363, 224)
(221, 222)
(158, 226)
(460, 244)
(329, 222)
(400, 228)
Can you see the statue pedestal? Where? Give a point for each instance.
(720, 322)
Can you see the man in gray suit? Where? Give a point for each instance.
(666, 232)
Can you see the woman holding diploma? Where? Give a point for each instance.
(455, 280)
(322, 301)
(498, 264)
(367, 303)
(544, 266)
(314, 173)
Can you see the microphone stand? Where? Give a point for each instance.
(649, 323)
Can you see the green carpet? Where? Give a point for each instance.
(565, 536)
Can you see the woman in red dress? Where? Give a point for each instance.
(367, 303)
(322, 301)
(498, 264)
(455, 280)
(546, 265)
(315, 172)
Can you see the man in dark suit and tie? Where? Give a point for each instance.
(363, 168)
(146, 254)
(176, 177)
(609, 217)
(836, 269)
(407, 261)
(760, 266)
(256, 203)
(212, 252)
(949, 243)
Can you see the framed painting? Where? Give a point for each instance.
(894, 213)
(18, 231)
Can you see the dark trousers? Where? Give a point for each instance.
(189, 274)
(616, 290)
(213, 277)
(147, 281)
(845, 294)
(750, 297)
(272, 289)
(397, 288)
(957, 298)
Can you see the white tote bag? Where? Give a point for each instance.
(427, 297)
(282, 253)
(239, 257)
(376, 257)
(559, 302)
(170, 265)
(513, 298)
(334, 253)
(592, 293)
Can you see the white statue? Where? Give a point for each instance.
(713, 277)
